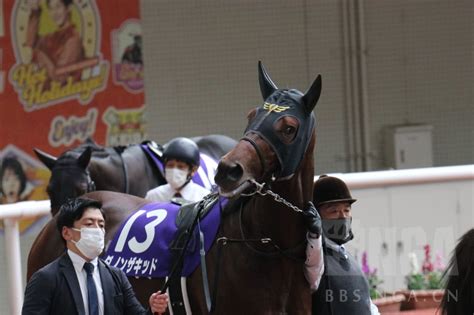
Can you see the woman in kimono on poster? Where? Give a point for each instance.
(58, 51)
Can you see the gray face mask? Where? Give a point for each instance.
(338, 230)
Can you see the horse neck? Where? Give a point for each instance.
(276, 219)
(104, 168)
(142, 174)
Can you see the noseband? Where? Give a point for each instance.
(259, 152)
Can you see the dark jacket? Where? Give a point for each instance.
(343, 288)
(54, 289)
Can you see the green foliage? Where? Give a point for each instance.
(430, 275)
(434, 280)
(415, 281)
(372, 278)
(374, 283)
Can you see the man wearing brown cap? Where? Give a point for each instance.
(343, 288)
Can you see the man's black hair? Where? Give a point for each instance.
(73, 209)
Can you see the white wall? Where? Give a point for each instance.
(390, 221)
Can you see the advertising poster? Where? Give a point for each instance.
(69, 70)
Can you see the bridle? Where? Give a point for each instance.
(257, 149)
(90, 183)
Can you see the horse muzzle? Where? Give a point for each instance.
(231, 178)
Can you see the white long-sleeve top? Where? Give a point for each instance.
(314, 264)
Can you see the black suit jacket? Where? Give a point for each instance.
(54, 289)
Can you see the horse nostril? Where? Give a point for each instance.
(235, 173)
(228, 172)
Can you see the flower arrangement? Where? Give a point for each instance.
(430, 276)
(372, 278)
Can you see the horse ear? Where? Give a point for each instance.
(47, 159)
(311, 96)
(89, 140)
(267, 87)
(85, 158)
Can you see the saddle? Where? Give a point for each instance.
(153, 147)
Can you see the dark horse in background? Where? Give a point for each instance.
(130, 170)
(259, 270)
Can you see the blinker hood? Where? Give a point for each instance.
(289, 155)
(280, 103)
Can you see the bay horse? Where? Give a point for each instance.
(129, 169)
(256, 264)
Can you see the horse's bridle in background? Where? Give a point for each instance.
(90, 183)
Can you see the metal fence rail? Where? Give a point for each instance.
(11, 214)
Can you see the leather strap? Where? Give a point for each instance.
(205, 281)
(259, 153)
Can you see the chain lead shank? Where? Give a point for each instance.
(260, 190)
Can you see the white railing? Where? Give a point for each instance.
(11, 214)
(406, 177)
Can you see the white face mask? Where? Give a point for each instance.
(176, 177)
(91, 243)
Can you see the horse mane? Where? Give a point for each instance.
(459, 278)
(97, 150)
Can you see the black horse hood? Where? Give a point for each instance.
(282, 103)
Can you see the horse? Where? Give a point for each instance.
(255, 265)
(127, 169)
(458, 295)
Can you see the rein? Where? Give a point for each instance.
(262, 190)
(223, 241)
(119, 151)
(288, 253)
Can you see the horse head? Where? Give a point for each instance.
(69, 175)
(275, 141)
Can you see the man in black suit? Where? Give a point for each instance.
(79, 282)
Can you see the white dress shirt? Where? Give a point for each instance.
(191, 192)
(78, 263)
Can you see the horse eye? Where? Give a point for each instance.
(289, 130)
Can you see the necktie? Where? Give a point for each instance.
(92, 298)
(177, 195)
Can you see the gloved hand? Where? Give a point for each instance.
(312, 219)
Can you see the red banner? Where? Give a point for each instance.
(69, 70)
